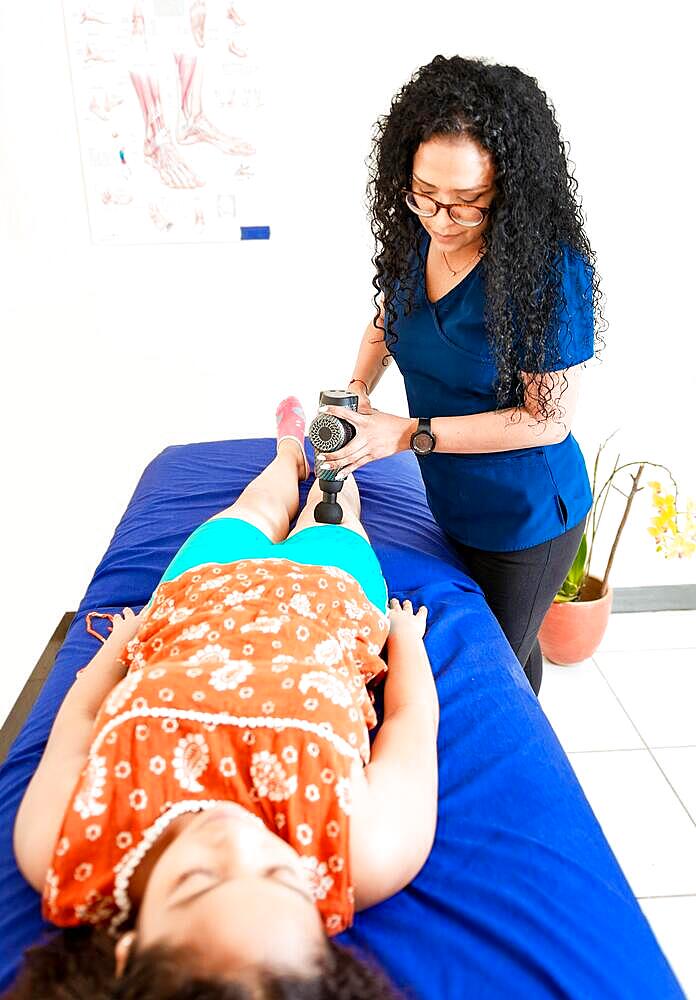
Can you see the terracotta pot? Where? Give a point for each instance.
(573, 630)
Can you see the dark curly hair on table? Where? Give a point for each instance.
(79, 964)
(535, 210)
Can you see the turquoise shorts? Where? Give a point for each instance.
(228, 539)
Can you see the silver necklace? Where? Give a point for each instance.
(449, 266)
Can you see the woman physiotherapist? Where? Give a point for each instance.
(486, 297)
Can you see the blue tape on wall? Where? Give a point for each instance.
(256, 232)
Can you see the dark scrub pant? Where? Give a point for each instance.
(520, 587)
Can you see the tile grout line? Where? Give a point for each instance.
(647, 747)
(619, 703)
(663, 773)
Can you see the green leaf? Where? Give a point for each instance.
(576, 575)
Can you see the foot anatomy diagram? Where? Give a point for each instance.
(190, 67)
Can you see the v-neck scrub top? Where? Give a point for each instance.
(501, 501)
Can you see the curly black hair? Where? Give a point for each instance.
(79, 964)
(535, 212)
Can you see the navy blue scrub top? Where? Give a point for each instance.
(501, 501)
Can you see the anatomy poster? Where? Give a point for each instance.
(169, 102)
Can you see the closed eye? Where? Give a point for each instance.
(271, 873)
(189, 874)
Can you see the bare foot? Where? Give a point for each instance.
(117, 197)
(164, 225)
(199, 129)
(234, 16)
(161, 154)
(236, 51)
(92, 56)
(92, 15)
(102, 104)
(197, 13)
(138, 21)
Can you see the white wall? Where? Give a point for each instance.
(99, 342)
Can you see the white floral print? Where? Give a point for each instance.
(270, 778)
(190, 760)
(353, 610)
(300, 604)
(180, 615)
(215, 583)
(319, 880)
(91, 789)
(312, 793)
(138, 799)
(227, 767)
(122, 692)
(304, 834)
(237, 598)
(328, 652)
(212, 653)
(194, 632)
(231, 675)
(343, 794)
(327, 685)
(263, 624)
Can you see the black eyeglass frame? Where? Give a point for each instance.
(484, 210)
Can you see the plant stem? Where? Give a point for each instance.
(597, 512)
(631, 497)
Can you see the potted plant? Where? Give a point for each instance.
(577, 620)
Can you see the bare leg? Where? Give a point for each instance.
(349, 501)
(193, 126)
(160, 151)
(197, 14)
(271, 501)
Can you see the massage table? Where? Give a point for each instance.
(521, 896)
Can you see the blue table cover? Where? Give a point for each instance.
(521, 896)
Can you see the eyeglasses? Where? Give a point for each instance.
(468, 216)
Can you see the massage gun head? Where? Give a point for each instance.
(327, 432)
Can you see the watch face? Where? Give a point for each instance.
(422, 442)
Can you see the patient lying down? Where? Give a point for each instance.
(208, 810)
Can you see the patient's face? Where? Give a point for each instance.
(230, 889)
(454, 169)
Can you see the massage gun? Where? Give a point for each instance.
(328, 433)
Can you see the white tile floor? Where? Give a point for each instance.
(627, 720)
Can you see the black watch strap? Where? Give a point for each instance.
(423, 439)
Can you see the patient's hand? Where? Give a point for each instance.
(404, 621)
(124, 628)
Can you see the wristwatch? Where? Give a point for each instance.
(423, 440)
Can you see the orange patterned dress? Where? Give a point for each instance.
(246, 682)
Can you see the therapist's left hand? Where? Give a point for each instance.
(378, 436)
